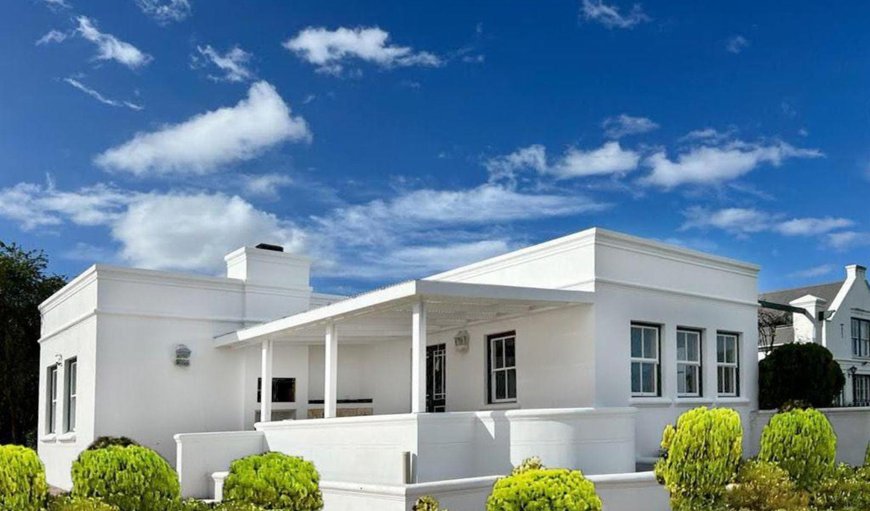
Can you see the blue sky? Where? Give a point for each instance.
(390, 140)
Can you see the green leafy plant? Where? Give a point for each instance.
(69, 503)
(274, 481)
(22, 479)
(803, 443)
(799, 372)
(764, 486)
(427, 503)
(131, 478)
(701, 456)
(845, 488)
(867, 455)
(544, 489)
(533, 463)
(105, 441)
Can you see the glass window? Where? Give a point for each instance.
(644, 360)
(502, 368)
(688, 363)
(51, 400)
(727, 365)
(283, 390)
(860, 337)
(70, 393)
(861, 390)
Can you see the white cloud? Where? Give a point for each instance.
(110, 47)
(207, 141)
(425, 260)
(233, 63)
(623, 125)
(711, 164)
(57, 4)
(265, 185)
(611, 17)
(610, 158)
(328, 49)
(815, 271)
(99, 97)
(52, 36)
(744, 221)
(848, 239)
(736, 44)
(33, 205)
(165, 11)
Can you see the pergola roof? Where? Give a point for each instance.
(386, 313)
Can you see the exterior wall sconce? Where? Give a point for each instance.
(58, 360)
(182, 355)
(853, 370)
(461, 340)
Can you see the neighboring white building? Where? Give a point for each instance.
(837, 316)
(579, 350)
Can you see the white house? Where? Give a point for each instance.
(837, 316)
(579, 350)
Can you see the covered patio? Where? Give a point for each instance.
(412, 310)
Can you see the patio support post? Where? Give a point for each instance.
(330, 384)
(266, 381)
(418, 358)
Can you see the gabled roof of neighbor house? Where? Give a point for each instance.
(826, 292)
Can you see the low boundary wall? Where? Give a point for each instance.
(199, 455)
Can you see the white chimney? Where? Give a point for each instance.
(276, 283)
(806, 329)
(855, 272)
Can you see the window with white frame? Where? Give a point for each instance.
(644, 360)
(688, 363)
(70, 394)
(51, 400)
(861, 390)
(727, 364)
(502, 367)
(860, 337)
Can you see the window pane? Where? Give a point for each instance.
(731, 349)
(692, 379)
(500, 385)
(648, 378)
(682, 352)
(681, 379)
(720, 348)
(693, 341)
(498, 359)
(510, 352)
(636, 342)
(635, 377)
(650, 343)
(511, 384)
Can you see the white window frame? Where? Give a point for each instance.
(694, 336)
(70, 400)
(861, 390)
(646, 359)
(51, 400)
(494, 369)
(726, 365)
(860, 338)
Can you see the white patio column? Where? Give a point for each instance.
(266, 381)
(418, 358)
(330, 385)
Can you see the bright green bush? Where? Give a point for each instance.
(105, 441)
(845, 488)
(68, 503)
(237, 506)
(427, 503)
(701, 456)
(763, 486)
(533, 463)
(132, 478)
(803, 443)
(544, 489)
(274, 481)
(22, 479)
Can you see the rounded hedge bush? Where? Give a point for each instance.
(68, 503)
(803, 443)
(799, 372)
(701, 456)
(427, 503)
(764, 486)
(544, 489)
(274, 481)
(22, 479)
(131, 478)
(106, 441)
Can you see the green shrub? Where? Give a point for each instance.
(132, 478)
(803, 443)
(427, 503)
(764, 486)
(867, 455)
(274, 481)
(845, 488)
(105, 441)
(799, 372)
(68, 503)
(701, 456)
(237, 506)
(533, 463)
(544, 489)
(22, 479)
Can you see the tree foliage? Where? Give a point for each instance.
(799, 372)
(24, 284)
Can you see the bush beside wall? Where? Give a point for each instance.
(22, 479)
(803, 443)
(544, 489)
(799, 372)
(274, 481)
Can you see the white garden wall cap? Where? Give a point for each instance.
(602, 480)
(403, 295)
(209, 436)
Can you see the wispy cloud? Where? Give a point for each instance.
(233, 64)
(57, 4)
(165, 11)
(743, 221)
(265, 185)
(610, 15)
(52, 36)
(330, 49)
(813, 272)
(610, 158)
(205, 142)
(848, 239)
(99, 97)
(623, 125)
(736, 44)
(110, 47)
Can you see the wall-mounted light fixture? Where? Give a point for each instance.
(461, 340)
(182, 355)
(853, 370)
(58, 360)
